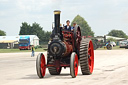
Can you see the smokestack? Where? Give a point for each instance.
(57, 21)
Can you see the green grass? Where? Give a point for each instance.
(45, 49)
(114, 48)
(17, 50)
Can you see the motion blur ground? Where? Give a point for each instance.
(110, 69)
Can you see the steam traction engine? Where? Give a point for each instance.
(66, 49)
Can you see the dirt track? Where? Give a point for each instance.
(111, 68)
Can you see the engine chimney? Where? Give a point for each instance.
(57, 21)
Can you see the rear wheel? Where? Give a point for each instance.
(40, 65)
(86, 57)
(74, 65)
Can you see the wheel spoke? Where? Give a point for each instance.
(43, 65)
(90, 67)
(76, 65)
(90, 58)
(89, 49)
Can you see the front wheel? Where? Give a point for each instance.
(40, 65)
(74, 65)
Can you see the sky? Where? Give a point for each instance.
(101, 15)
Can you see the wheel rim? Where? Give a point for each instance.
(76, 64)
(90, 56)
(109, 46)
(42, 65)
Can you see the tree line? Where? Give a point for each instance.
(117, 33)
(44, 36)
(2, 33)
(35, 29)
(85, 28)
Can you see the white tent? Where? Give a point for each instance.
(116, 38)
(34, 40)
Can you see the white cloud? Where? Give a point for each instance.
(32, 5)
(56, 4)
(100, 14)
(4, 1)
(2, 13)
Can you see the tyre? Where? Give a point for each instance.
(40, 65)
(109, 47)
(86, 57)
(74, 65)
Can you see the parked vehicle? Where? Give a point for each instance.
(24, 43)
(123, 44)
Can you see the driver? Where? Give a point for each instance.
(67, 27)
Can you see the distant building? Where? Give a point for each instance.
(13, 41)
(116, 38)
(107, 37)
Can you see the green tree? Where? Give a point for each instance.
(85, 28)
(2, 33)
(35, 29)
(25, 29)
(117, 33)
(47, 36)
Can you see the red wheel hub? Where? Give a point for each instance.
(90, 56)
(42, 65)
(76, 65)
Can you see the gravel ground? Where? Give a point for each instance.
(110, 69)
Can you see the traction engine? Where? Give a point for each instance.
(66, 49)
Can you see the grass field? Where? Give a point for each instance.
(114, 48)
(44, 49)
(17, 50)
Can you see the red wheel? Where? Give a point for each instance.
(74, 65)
(86, 56)
(90, 56)
(40, 65)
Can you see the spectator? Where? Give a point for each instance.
(33, 51)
